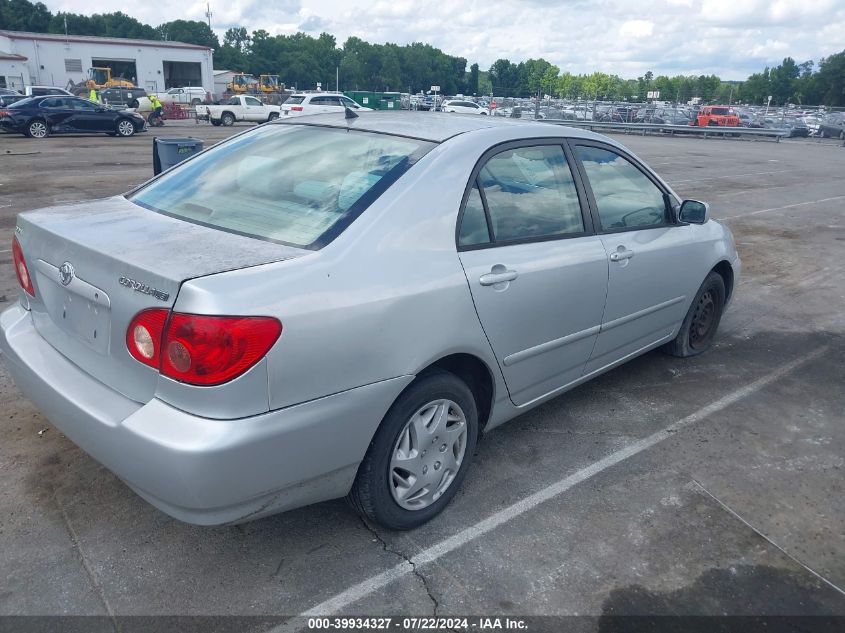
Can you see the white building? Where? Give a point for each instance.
(56, 60)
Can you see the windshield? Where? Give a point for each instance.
(298, 185)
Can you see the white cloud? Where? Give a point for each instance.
(636, 28)
(617, 36)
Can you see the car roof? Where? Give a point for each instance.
(433, 126)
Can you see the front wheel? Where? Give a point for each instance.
(227, 119)
(702, 319)
(420, 453)
(215, 123)
(125, 128)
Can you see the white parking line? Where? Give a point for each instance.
(373, 584)
(788, 206)
(756, 173)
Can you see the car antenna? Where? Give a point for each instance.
(350, 114)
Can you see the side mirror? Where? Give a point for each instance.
(694, 212)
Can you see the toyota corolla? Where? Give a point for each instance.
(331, 306)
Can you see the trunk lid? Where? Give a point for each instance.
(95, 265)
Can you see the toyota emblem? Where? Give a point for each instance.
(66, 273)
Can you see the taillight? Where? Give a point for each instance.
(199, 349)
(144, 335)
(24, 278)
(296, 108)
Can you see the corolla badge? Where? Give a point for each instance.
(143, 288)
(66, 273)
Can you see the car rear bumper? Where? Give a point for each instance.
(195, 469)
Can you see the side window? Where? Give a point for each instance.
(625, 196)
(530, 192)
(319, 101)
(474, 222)
(252, 101)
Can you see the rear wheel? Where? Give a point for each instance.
(273, 116)
(702, 320)
(420, 453)
(37, 129)
(196, 102)
(228, 119)
(125, 127)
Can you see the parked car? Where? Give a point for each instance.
(189, 95)
(791, 126)
(38, 117)
(323, 307)
(239, 108)
(722, 116)
(42, 91)
(832, 126)
(319, 103)
(8, 97)
(462, 107)
(123, 97)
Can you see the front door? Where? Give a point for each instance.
(253, 110)
(648, 286)
(538, 276)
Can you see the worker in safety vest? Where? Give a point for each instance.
(92, 96)
(157, 109)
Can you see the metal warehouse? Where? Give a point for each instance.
(56, 60)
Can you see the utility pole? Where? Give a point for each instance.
(208, 13)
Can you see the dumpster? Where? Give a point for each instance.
(172, 151)
(376, 100)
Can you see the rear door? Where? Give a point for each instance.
(649, 286)
(537, 273)
(90, 117)
(58, 113)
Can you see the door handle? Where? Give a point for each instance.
(497, 277)
(621, 254)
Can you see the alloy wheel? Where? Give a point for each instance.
(125, 128)
(38, 129)
(428, 454)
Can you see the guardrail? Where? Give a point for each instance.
(672, 129)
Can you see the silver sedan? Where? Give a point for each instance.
(336, 306)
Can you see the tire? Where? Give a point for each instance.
(379, 483)
(821, 133)
(228, 119)
(125, 128)
(196, 102)
(842, 135)
(215, 123)
(134, 105)
(273, 116)
(38, 129)
(702, 319)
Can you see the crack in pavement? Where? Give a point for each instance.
(405, 558)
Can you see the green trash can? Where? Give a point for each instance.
(168, 152)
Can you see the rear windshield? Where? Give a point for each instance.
(300, 185)
(295, 100)
(21, 104)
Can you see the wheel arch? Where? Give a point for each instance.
(726, 272)
(477, 376)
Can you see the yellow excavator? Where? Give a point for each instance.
(269, 84)
(100, 79)
(241, 84)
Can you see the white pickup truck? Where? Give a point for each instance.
(239, 108)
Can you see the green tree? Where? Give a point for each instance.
(190, 32)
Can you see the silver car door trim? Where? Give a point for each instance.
(550, 345)
(618, 256)
(493, 278)
(76, 285)
(636, 315)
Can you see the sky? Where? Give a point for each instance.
(729, 38)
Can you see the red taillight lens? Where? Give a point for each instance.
(24, 278)
(296, 108)
(199, 349)
(144, 335)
